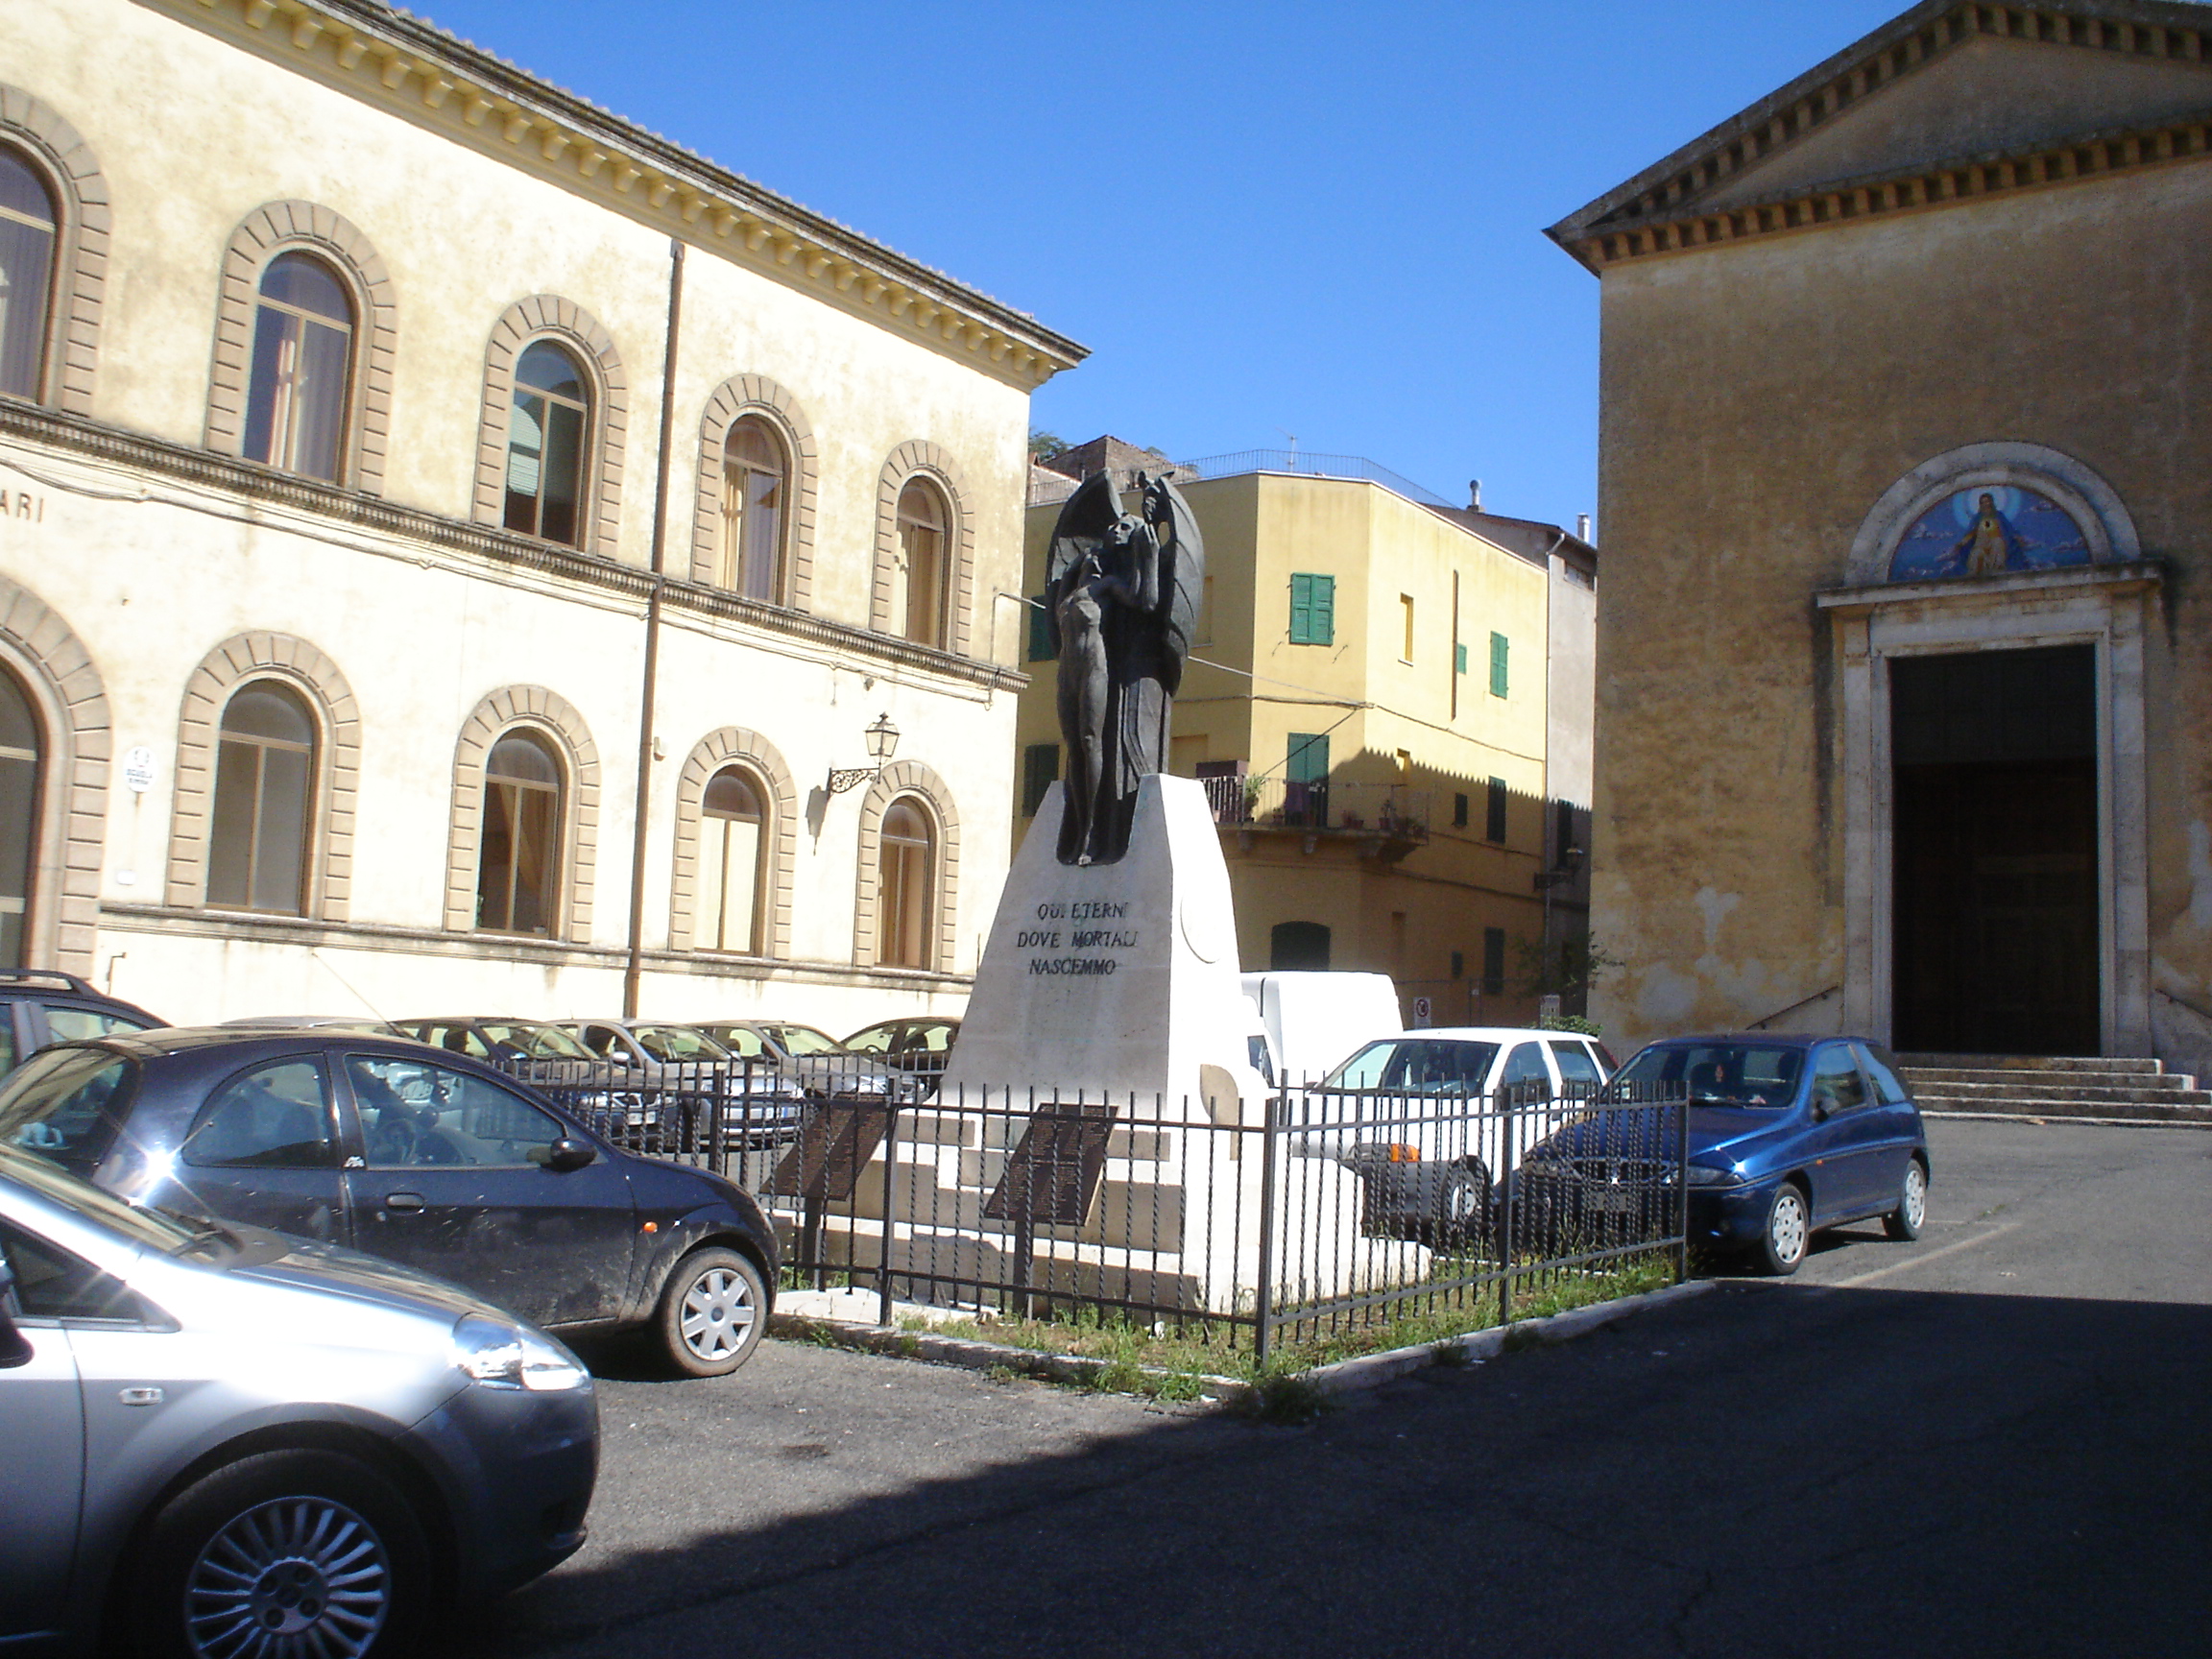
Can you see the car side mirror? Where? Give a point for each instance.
(565, 1155)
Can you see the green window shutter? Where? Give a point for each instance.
(1494, 817)
(1041, 630)
(1499, 647)
(1040, 771)
(1309, 758)
(1312, 610)
(1460, 658)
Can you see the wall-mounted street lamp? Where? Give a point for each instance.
(1564, 871)
(882, 744)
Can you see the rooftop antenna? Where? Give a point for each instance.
(1293, 437)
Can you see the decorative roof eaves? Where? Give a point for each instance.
(251, 481)
(436, 80)
(2071, 161)
(2160, 28)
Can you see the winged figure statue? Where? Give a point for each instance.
(1121, 599)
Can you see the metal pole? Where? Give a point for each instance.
(1504, 1209)
(1265, 1279)
(1682, 1191)
(890, 1203)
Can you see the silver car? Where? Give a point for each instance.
(224, 1441)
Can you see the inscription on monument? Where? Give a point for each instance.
(1043, 943)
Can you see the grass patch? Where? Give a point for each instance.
(1173, 1365)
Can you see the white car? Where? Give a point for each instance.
(1430, 1118)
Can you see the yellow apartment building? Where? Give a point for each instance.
(1370, 700)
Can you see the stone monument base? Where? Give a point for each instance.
(1104, 980)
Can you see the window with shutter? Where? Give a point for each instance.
(1040, 771)
(1041, 630)
(1312, 610)
(1499, 647)
(1494, 829)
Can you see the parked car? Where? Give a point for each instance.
(1418, 1116)
(918, 1049)
(40, 1007)
(220, 1440)
(429, 1159)
(823, 1067)
(1786, 1135)
(670, 1071)
(486, 1039)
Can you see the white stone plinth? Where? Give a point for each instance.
(1104, 979)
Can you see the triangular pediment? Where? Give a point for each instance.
(1948, 82)
(1985, 96)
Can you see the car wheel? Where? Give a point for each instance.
(712, 1313)
(1788, 1228)
(1911, 1212)
(1462, 1205)
(279, 1553)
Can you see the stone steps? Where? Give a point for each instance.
(2130, 1090)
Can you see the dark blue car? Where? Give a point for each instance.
(1786, 1135)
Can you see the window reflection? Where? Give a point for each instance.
(264, 779)
(546, 445)
(518, 864)
(302, 351)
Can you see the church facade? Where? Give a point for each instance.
(1905, 655)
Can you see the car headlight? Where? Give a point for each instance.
(503, 1356)
(1705, 1175)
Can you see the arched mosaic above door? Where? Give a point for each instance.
(1991, 509)
(1986, 531)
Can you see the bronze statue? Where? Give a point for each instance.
(1121, 603)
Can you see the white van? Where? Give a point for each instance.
(1312, 1022)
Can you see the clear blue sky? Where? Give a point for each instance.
(1324, 219)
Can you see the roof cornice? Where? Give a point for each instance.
(438, 82)
(1656, 211)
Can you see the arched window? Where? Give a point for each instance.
(754, 481)
(904, 879)
(545, 439)
(733, 840)
(303, 359)
(18, 815)
(27, 227)
(923, 521)
(264, 776)
(518, 862)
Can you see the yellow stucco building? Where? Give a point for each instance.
(1905, 723)
(1370, 698)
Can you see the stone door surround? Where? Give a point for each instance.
(2106, 604)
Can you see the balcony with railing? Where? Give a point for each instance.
(1391, 818)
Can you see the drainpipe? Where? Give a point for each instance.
(633, 966)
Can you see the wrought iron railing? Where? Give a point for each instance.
(1291, 1220)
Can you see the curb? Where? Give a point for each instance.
(1341, 1378)
(2050, 1117)
(1373, 1370)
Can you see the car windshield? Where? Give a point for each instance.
(742, 1040)
(1416, 1066)
(537, 1041)
(678, 1042)
(65, 1103)
(1721, 1073)
(803, 1040)
(49, 1180)
(875, 1040)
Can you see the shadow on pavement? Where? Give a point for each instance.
(1770, 1469)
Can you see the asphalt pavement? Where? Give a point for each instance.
(1992, 1441)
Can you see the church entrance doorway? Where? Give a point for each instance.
(1995, 834)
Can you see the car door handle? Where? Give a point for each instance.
(403, 1203)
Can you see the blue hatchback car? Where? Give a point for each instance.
(1786, 1135)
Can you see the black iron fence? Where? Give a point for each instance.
(1292, 1219)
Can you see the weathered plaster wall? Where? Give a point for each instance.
(1758, 398)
